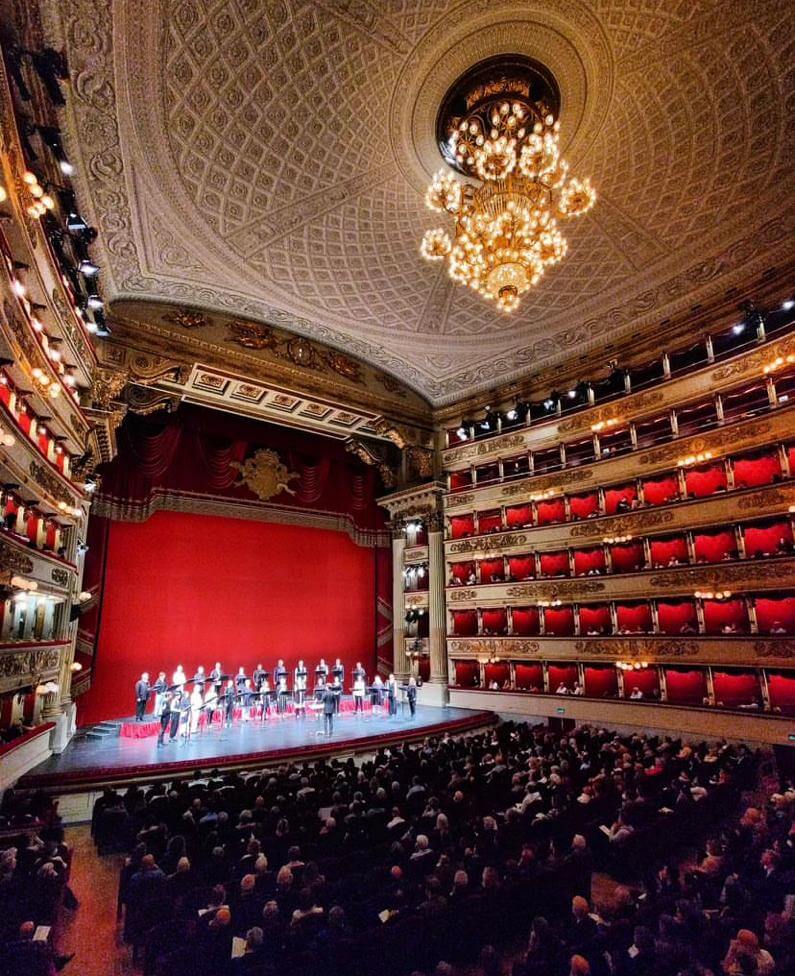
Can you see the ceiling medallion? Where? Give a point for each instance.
(498, 125)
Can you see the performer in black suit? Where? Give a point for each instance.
(229, 702)
(165, 718)
(411, 695)
(259, 675)
(330, 705)
(321, 672)
(280, 686)
(391, 695)
(217, 678)
(299, 683)
(176, 708)
(200, 678)
(142, 688)
(160, 688)
(240, 679)
(338, 678)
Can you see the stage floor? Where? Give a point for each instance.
(90, 763)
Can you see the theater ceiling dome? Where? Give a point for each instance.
(270, 158)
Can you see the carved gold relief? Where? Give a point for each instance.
(50, 483)
(462, 596)
(748, 573)
(187, 318)
(488, 543)
(724, 437)
(13, 561)
(28, 663)
(775, 648)
(565, 590)
(549, 483)
(637, 648)
(485, 448)
(459, 501)
(621, 525)
(106, 387)
(60, 576)
(264, 474)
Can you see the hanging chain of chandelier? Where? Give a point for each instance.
(506, 230)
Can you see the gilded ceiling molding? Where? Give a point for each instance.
(660, 245)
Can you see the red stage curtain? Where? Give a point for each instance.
(715, 547)
(462, 526)
(613, 496)
(774, 615)
(566, 674)
(757, 471)
(782, 692)
(595, 619)
(660, 492)
(702, 482)
(499, 671)
(489, 521)
(517, 516)
(489, 568)
(461, 571)
(495, 621)
(668, 552)
(521, 567)
(735, 688)
(686, 687)
(460, 479)
(234, 590)
(588, 559)
(767, 541)
(677, 617)
(627, 557)
(529, 677)
(554, 564)
(467, 674)
(634, 619)
(559, 621)
(725, 613)
(601, 681)
(525, 621)
(153, 449)
(424, 668)
(465, 623)
(583, 506)
(218, 454)
(646, 680)
(551, 511)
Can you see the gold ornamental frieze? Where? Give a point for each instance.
(265, 475)
(488, 543)
(415, 601)
(659, 649)
(622, 525)
(13, 561)
(554, 483)
(730, 437)
(564, 590)
(621, 410)
(493, 648)
(747, 575)
(459, 501)
(462, 596)
(782, 649)
(752, 364)
(485, 449)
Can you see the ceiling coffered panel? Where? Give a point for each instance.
(269, 158)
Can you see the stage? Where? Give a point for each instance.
(90, 763)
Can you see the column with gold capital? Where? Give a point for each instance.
(437, 616)
(400, 661)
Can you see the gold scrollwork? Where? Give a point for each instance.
(488, 543)
(556, 590)
(463, 596)
(264, 474)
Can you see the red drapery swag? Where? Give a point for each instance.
(758, 471)
(495, 621)
(614, 497)
(489, 521)
(678, 617)
(767, 541)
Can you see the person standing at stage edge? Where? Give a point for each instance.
(329, 707)
(411, 695)
(142, 688)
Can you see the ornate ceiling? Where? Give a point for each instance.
(269, 158)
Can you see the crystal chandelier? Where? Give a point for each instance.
(501, 130)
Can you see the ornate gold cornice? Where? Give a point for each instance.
(487, 543)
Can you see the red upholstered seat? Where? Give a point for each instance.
(525, 621)
(467, 674)
(559, 621)
(529, 677)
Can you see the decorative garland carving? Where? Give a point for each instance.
(723, 437)
(459, 501)
(50, 483)
(766, 498)
(29, 662)
(484, 448)
(462, 596)
(106, 387)
(494, 648)
(637, 648)
(630, 405)
(549, 482)
(14, 561)
(264, 474)
(488, 543)
(621, 525)
(569, 590)
(724, 575)
(415, 601)
(775, 648)
(420, 461)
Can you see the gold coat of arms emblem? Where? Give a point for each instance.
(264, 474)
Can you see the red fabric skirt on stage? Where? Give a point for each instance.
(151, 726)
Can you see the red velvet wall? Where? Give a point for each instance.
(193, 589)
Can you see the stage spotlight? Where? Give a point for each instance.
(788, 305)
(95, 302)
(88, 269)
(75, 223)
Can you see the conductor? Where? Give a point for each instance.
(329, 707)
